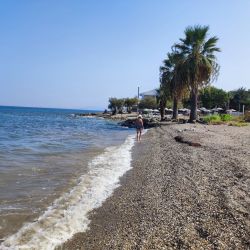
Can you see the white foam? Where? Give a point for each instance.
(69, 214)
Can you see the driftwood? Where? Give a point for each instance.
(180, 139)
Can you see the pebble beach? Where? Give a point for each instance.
(177, 196)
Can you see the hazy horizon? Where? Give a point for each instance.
(75, 55)
(34, 107)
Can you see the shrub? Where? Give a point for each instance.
(237, 124)
(217, 122)
(247, 116)
(239, 118)
(226, 117)
(212, 119)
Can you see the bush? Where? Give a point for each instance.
(226, 117)
(212, 119)
(238, 118)
(237, 121)
(237, 124)
(247, 116)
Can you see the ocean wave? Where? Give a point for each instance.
(69, 214)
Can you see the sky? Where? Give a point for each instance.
(77, 54)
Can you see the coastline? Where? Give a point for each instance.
(177, 196)
(73, 170)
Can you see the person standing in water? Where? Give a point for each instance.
(139, 127)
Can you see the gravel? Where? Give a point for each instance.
(178, 196)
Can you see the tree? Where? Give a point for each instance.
(115, 105)
(199, 66)
(212, 97)
(172, 80)
(240, 97)
(162, 97)
(167, 82)
(148, 103)
(129, 103)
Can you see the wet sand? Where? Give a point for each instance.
(178, 196)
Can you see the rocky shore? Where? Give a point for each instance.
(126, 120)
(177, 196)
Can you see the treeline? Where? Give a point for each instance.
(209, 97)
(119, 105)
(212, 97)
(238, 98)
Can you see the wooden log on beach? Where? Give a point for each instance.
(180, 139)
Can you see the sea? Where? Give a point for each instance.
(55, 167)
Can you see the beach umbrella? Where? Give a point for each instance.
(231, 110)
(203, 108)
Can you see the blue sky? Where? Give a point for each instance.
(77, 54)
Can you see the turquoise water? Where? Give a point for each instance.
(42, 154)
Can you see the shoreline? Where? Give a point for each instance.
(82, 192)
(128, 119)
(177, 196)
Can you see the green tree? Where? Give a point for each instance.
(199, 65)
(212, 97)
(116, 105)
(240, 97)
(129, 103)
(167, 83)
(148, 103)
(162, 97)
(172, 81)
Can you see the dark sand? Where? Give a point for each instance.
(178, 196)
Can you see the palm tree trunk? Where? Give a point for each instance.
(175, 108)
(162, 110)
(193, 112)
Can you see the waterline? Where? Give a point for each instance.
(68, 214)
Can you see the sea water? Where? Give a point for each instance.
(55, 167)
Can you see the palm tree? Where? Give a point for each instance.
(162, 97)
(172, 80)
(199, 66)
(166, 82)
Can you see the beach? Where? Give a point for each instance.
(178, 196)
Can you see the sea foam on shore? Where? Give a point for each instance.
(68, 214)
